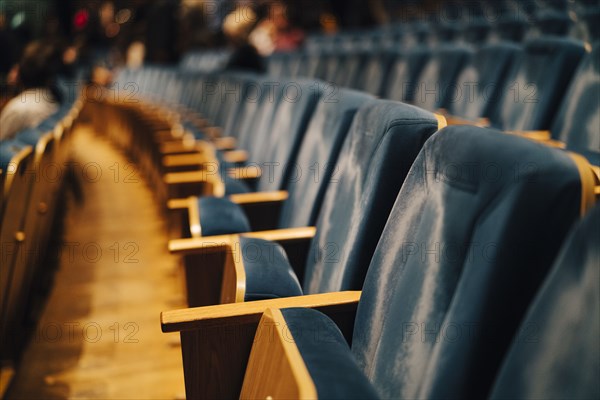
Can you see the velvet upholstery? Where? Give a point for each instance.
(556, 354)
(327, 357)
(578, 121)
(269, 274)
(436, 84)
(462, 254)
(383, 142)
(537, 83)
(318, 155)
(279, 146)
(404, 73)
(219, 216)
(480, 83)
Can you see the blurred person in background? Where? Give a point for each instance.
(237, 26)
(36, 77)
(275, 31)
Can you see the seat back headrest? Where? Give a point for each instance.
(318, 155)
(557, 353)
(383, 142)
(472, 234)
(578, 121)
(537, 83)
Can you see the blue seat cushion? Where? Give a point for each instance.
(235, 186)
(269, 274)
(220, 216)
(327, 357)
(29, 136)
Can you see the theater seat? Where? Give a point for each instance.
(537, 84)
(578, 121)
(556, 353)
(463, 253)
(480, 84)
(384, 140)
(306, 182)
(459, 260)
(436, 85)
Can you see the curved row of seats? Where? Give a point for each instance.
(33, 167)
(469, 239)
(451, 233)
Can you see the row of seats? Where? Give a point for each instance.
(33, 169)
(375, 162)
(502, 81)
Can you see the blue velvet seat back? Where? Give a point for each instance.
(231, 97)
(405, 72)
(383, 142)
(257, 136)
(557, 352)
(259, 114)
(578, 122)
(352, 68)
(318, 156)
(280, 145)
(474, 230)
(375, 72)
(233, 122)
(249, 108)
(481, 82)
(435, 86)
(537, 84)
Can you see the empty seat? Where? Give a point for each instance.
(404, 73)
(578, 121)
(556, 353)
(436, 85)
(306, 181)
(480, 84)
(459, 260)
(537, 83)
(384, 140)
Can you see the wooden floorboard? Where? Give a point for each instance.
(99, 334)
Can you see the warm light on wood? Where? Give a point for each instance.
(276, 368)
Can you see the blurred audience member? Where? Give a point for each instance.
(246, 58)
(36, 74)
(275, 32)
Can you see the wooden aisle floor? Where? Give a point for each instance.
(99, 335)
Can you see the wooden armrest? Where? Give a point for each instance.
(534, 135)
(590, 182)
(204, 182)
(244, 173)
(225, 143)
(196, 318)
(185, 160)
(175, 160)
(262, 209)
(176, 178)
(259, 197)
(178, 146)
(214, 268)
(216, 340)
(235, 156)
(275, 367)
(480, 122)
(209, 244)
(177, 204)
